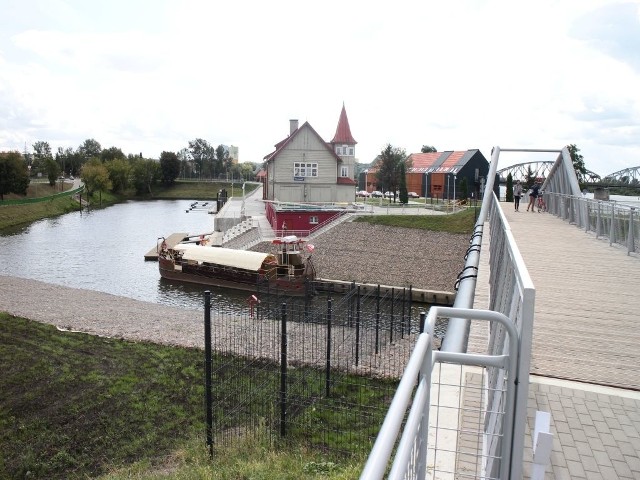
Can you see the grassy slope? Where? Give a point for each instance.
(461, 222)
(75, 405)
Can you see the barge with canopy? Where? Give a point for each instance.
(287, 270)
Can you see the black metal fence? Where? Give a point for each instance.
(319, 371)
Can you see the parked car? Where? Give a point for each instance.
(413, 195)
(362, 193)
(376, 194)
(388, 194)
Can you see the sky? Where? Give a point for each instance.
(148, 76)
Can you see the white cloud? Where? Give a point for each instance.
(150, 76)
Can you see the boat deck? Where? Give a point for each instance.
(172, 240)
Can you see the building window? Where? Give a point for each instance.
(351, 151)
(313, 220)
(301, 169)
(344, 171)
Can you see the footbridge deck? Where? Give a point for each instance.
(585, 361)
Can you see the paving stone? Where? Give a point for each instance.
(634, 463)
(576, 470)
(584, 448)
(615, 454)
(589, 463)
(561, 473)
(590, 431)
(602, 427)
(595, 444)
(622, 468)
(627, 449)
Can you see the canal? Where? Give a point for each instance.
(103, 250)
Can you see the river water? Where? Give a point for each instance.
(104, 249)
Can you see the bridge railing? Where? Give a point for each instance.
(460, 409)
(436, 437)
(612, 221)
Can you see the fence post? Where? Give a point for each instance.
(612, 232)
(328, 366)
(358, 328)
(391, 319)
(283, 371)
(207, 370)
(377, 349)
(410, 305)
(631, 247)
(598, 221)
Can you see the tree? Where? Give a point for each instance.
(53, 170)
(509, 194)
(95, 177)
(169, 167)
(428, 149)
(14, 176)
(530, 179)
(41, 153)
(578, 163)
(389, 163)
(69, 160)
(90, 149)
(404, 195)
(203, 154)
(112, 153)
(145, 174)
(119, 170)
(223, 160)
(464, 188)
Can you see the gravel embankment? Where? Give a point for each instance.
(352, 251)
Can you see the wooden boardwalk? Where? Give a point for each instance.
(587, 307)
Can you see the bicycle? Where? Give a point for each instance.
(542, 206)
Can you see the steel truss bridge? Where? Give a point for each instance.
(540, 169)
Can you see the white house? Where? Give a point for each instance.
(305, 168)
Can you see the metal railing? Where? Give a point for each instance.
(615, 222)
(500, 409)
(494, 389)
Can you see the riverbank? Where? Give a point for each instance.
(353, 251)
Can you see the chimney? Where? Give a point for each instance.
(293, 126)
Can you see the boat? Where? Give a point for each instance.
(286, 271)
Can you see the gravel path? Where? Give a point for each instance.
(368, 253)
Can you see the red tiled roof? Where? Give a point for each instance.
(346, 181)
(424, 160)
(343, 132)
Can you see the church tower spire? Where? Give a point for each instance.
(343, 142)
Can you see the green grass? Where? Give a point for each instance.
(12, 216)
(461, 222)
(75, 405)
(198, 190)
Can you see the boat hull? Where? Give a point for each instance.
(247, 281)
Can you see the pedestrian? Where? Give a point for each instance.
(533, 194)
(517, 193)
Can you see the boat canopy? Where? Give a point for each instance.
(225, 256)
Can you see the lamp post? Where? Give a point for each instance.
(454, 188)
(425, 189)
(366, 188)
